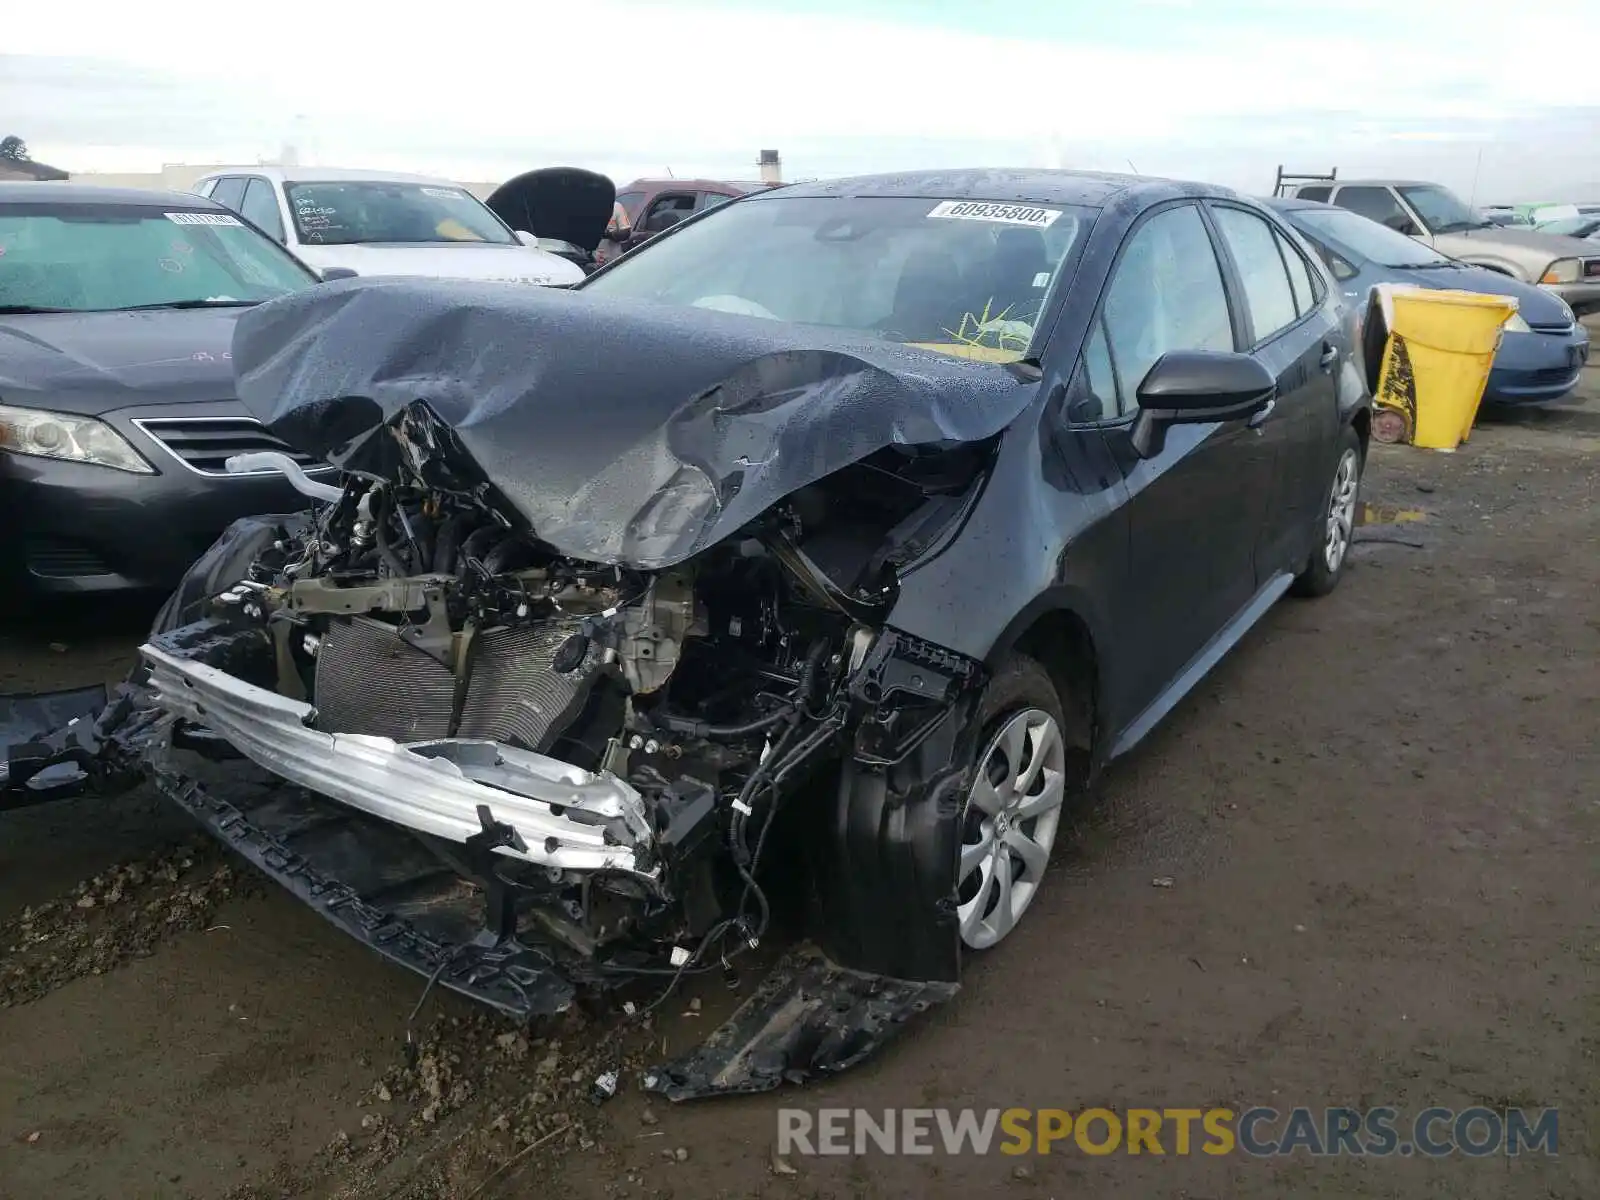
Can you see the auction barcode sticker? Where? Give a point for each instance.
(1001, 214)
(202, 218)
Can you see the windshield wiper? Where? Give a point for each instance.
(15, 310)
(1427, 266)
(187, 304)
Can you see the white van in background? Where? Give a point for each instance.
(381, 223)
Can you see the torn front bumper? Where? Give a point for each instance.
(371, 879)
(809, 1018)
(422, 888)
(563, 816)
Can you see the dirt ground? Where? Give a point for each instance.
(1379, 818)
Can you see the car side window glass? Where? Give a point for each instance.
(229, 192)
(1376, 204)
(712, 199)
(1300, 276)
(666, 211)
(1094, 393)
(631, 202)
(1337, 266)
(1167, 294)
(1266, 280)
(260, 207)
(1313, 193)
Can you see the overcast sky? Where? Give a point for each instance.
(1221, 90)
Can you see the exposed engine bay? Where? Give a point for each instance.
(602, 757)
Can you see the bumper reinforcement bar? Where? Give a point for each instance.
(566, 817)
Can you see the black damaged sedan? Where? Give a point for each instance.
(803, 566)
(117, 412)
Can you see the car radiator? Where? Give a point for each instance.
(370, 681)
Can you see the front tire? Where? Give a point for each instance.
(1336, 530)
(1013, 807)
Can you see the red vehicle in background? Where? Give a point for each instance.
(648, 206)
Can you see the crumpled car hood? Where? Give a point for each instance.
(622, 432)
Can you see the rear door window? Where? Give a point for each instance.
(1307, 293)
(1267, 290)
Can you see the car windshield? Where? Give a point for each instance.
(351, 213)
(1441, 210)
(961, 276)
(1359, 239)
(94, 257)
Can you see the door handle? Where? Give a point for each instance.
(1330, 355)
(1259, 419)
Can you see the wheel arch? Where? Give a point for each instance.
(1061, 632)
(1361, 422)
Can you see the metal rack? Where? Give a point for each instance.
(1284, 179)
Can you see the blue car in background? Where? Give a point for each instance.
(1544, 348)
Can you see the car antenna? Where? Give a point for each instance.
(1131, 167)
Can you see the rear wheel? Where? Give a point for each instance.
(1013, 807)
(1337, 526)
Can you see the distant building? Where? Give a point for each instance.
(23, 168)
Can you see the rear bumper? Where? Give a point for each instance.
(565, 817)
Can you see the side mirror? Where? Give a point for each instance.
(333, 273)
(526, 238)
(1198, 387)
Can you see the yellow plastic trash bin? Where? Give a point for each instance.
(1436, 364)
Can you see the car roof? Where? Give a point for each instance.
(329, 175)
(86, 193)
(1091, 189)
(690, 185)
(1368, 183)
(1295, 204)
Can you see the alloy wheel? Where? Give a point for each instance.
(1011, 817)
(1342, 510)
